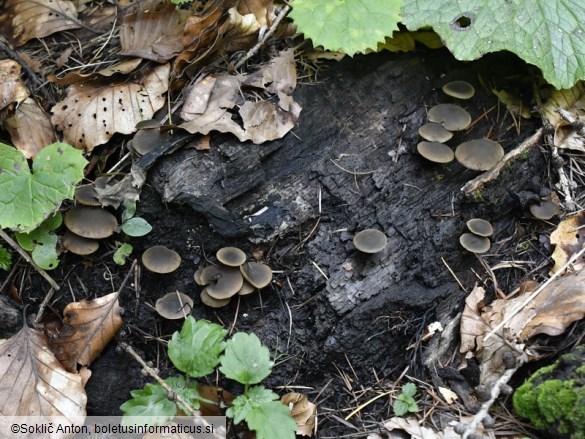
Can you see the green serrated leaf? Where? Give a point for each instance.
(196, 349)
(5, 258)
(128, 209)
(187, 391)
(42, 243)
(349, 26)
(245, 359)
(27, 198)
(409, 389)
(271, 420)
(400, 407)
(151, 401)
(254, 397)
(122, 253)
(547, 33)
(136, 227)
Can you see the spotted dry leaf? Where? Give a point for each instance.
(12, 89)
(34, 383)
(30, 19)
(93, 111)
(30, 128)
(154, 31)
(87, 328)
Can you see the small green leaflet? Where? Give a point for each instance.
(254, 397)
(547, 33)
(245, 359)
(187, 391)
(129, 209)
(122, 252)
(26, 198)
(196, 349)
(409, 389)
(405, 402)
(5, 258)
(348, 26)
(151, 401)
(42, 243)
(271, 419)
(136, 227)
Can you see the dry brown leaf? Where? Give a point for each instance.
(87, 328)
(154, 31)
(278, 76)
(264, 121)
(263, 10)
(12, 88)
(30, 128)
(123, 68)
(569, 238)
(91, 114)
(573, 101)
(447, 394)
(34, 383)
(303, 412)
(30, 19)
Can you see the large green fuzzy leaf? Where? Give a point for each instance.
(245, 359)
(547, 33)
(348, 26)
(27, 198)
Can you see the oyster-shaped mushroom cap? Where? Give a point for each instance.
(222, 282)
(78, 244)
(474, 243)
(451, 116)
(459, 89)
(160, 259)
(480, 227)
(246, 289)
(231, 256)
(90, 222)
(86, 195)
(370, 241)
(545, 210)
(212, 301)
(433, 132)
(256, 274)
(479, 154)
(197, 276)
(174, 306)
(435, 152)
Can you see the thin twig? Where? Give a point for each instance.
(264, 39)
(487, 177)
(453, 274)
(28, 259)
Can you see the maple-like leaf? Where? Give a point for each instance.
(92, 113)
(30, 19)
(87, 328)
(34, 383)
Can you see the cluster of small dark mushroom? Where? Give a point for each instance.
(477, 154)
(478, 240)
(232, 275)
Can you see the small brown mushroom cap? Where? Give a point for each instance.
(222, 282)
(545, 210)
(213, 302)
(435, 152)
(231, 256)
(258, 275)
(433, 132)
(90, 222)
(451, 116)
(197, 276)
(474, 243)
(479, 154)
(160, 259)
(78, 244)
(370, 241)
(86, 195)
(459, 89)
(174, 306)
(246, 289)
(480, 227)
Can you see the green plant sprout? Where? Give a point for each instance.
(5, 258)
(197, 350)
(405, 402)
(41, 243)
(131, 226)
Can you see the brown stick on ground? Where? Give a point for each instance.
(487, 177)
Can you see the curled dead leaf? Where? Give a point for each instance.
(303, 412)
(122, 68)
(569, 238)
(34, 383)
(12, 88)
(87, 328)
